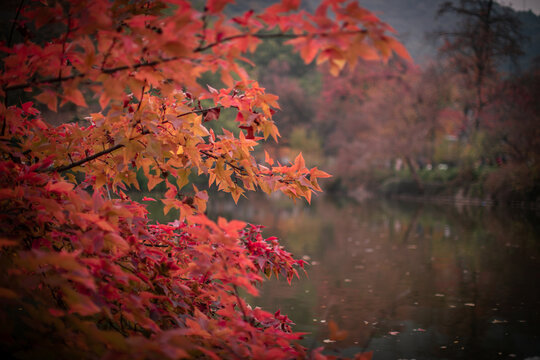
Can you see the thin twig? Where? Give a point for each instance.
(19, 9)
(202, 40)
(239, 169)
(64, 45)
(200, 111)
(240, 305)
(10, 40)
(107, 54)
(141, 99)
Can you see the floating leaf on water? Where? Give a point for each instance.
(335, 332)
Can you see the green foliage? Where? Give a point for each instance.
(439, 175)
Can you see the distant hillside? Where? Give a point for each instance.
(414, 20)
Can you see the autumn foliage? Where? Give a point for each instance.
(84, 273)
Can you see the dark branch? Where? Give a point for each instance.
(277, 36)
(119, 146)
(87, 159)
(174, 58)
(10, 38)
(200, 111)
(238, 169)
(141, 97)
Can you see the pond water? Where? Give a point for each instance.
(406, 280)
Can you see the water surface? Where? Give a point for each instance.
(406, 280)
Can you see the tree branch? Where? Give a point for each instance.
(119, 146)
(141, 98)
(174, 58)
(200, 111)
(236, 168)
(240, 305)
(12, 29)
(63, 54)
(277, 36)
(87, 159)
(10, 40)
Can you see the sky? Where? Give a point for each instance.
(533, 5)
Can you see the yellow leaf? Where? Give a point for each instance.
(48, 98)
(235, 193)
(153, 180)
(399, 49)
(268, 159)
(182, 178)
(75, 96)
(299, 163)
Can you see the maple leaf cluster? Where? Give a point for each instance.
(84, 272)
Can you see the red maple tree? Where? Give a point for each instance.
(84, 272)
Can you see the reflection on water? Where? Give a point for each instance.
(407, 280)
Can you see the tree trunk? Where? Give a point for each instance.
(414, 174)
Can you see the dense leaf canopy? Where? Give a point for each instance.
(84, 272)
